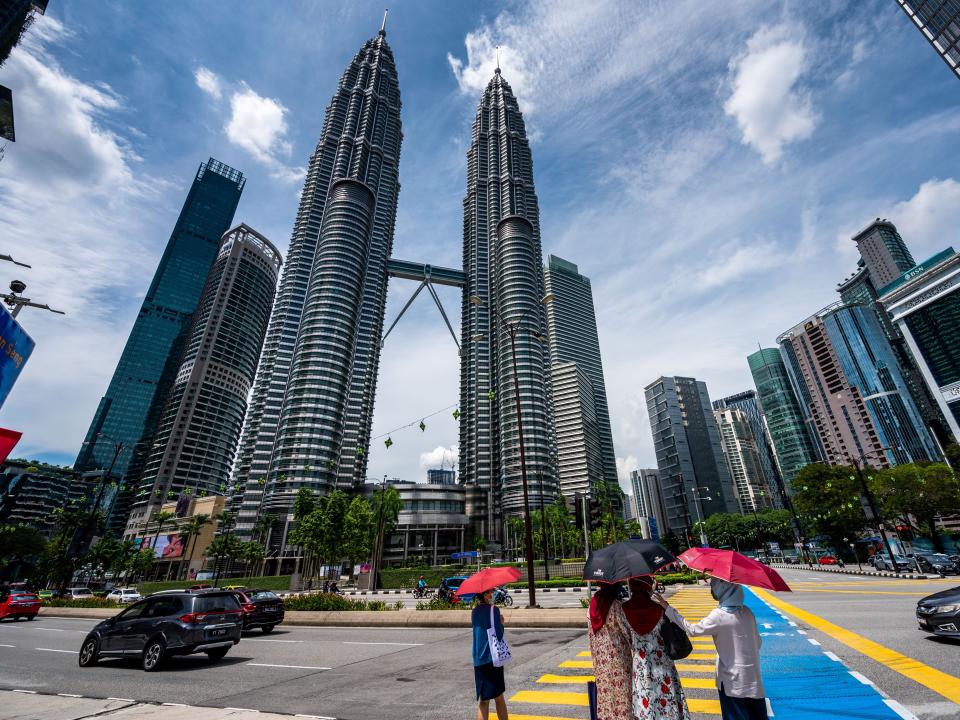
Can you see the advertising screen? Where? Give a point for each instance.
(15, 349)
(168, 547)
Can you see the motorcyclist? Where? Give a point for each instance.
(421, 583)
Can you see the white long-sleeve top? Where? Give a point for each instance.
(738, 648)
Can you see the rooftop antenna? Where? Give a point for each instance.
(383, 25)
(497, 71)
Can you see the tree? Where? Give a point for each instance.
(191, 532)
(673, 543)
(923, 492)
(827, 501)
(358, 530)
(387, 505)
(20, 543)
(303, 503)
(247, 553)
(142, 562)
(264, 525)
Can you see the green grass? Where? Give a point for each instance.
(83, 603)
(329, 601)
(269, 582)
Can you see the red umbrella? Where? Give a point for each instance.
(487, 579)
(734, 567)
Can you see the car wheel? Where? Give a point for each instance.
(31, 617)
(153, 655)
(267, 629)
(89, 652)
(217, 654)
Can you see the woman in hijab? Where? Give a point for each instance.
(657, 694)
(611, 649)
(734, 631)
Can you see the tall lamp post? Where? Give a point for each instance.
(698, 504)
(513, 328)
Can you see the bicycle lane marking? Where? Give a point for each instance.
(938, 681)
(802, 681)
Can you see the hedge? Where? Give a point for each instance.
(268, 582)
(399, 578)
(81, 603)
(438, 604)
(329, 601)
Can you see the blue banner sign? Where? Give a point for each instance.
(15, 349)
(464, 555)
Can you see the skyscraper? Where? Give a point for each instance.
(791, 439)
(129, 411)
(648, 498)
(748, 404)
(857, 399)
(579, 456)
(196, 439)
(309, 420)
(572, 327)
(939, 22)
(502, 261)
(743, 460)
(694, 480)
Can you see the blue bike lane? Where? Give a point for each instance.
(803, 682)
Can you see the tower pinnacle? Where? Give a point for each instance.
(383, 25)
(497, 71)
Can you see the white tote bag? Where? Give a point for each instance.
(499, 650)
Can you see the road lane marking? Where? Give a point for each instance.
(352, 642)
(72, 652)
(833, 657)
(701, 656)
(769, 708)
(121, 699)
(566, 679)
(576, 664)
(73, 695)
(49, 629)
(812, 641)
(860, 592)
(585, 653)
(691, 667)
(174, 704)
(862, 678)
(546, 697)
(295, 667)
(13, 646)
(899, 709)
(236, 709)
(26, 692)
(514, 716)
(936, 680)
(271, 640)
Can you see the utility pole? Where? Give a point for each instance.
(543, 530)
(378, 541)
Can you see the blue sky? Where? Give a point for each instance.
(704, 163)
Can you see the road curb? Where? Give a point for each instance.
(513, 617)
(847, 571)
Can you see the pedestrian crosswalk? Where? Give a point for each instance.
(562, 694)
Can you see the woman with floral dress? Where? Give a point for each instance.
(657, 694)
(611, 648)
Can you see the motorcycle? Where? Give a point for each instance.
(501, 596)
(424, 593)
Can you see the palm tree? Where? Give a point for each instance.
(190, 532)
(161, 518)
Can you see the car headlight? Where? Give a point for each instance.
(947, 608)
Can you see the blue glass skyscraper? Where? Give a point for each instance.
(130, 409)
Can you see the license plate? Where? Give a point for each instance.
(219, 632)
(270, 608)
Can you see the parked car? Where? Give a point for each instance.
(124, 596)
(45, 595)
(77, 593)
(827, 560)
(261, 608)
(18, 604)
(167, 624)
(940, 613)
(937, 563)
(881, 561)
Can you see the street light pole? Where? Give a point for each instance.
(698, 504)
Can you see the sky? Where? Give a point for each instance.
(705, 164)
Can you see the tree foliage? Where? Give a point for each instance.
(828, 502)
(19, 542)
(741, 532)
(920, 491)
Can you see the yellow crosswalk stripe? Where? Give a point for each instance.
(546, 697)
(693, 667)
(699, 683)
(707, 707)
(565, 679)
(577, 664)
(701, 656)
(514, 716)
(585, 653)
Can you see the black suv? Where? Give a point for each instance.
(180, 622)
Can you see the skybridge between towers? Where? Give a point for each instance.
(428, 275)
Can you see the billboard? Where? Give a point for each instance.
(15, 349)
(168, 547)
(6, 114)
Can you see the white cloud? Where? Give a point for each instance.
(258, 125)
(209, 82)
(736, 260)
(626, 465)
(928, 220)
(73, 202)
(769, 110)
(445, 456)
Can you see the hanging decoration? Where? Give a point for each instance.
(491, 395)
(388, 442)
(359, 450)
(423, 426)
(456, 414)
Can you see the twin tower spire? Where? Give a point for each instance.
(310, 415)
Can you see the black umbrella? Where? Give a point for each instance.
(624, 560)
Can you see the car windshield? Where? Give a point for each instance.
(216, 603)
(262, 595)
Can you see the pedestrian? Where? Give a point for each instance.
(489, 679)
(611, 647)
(734, 630)
(310, 585)
(326, 586)
(656, 691)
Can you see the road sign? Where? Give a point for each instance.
(15, 349)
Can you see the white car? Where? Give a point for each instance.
(123, 596)
(77, 593)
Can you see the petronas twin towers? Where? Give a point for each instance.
(310, 415)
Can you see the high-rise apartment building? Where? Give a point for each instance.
(31, 493)
(15, 18)
(130, 410)
(196, 438)
(579, 451)
(785, 420)
(743, 460)
(572, 332)
(503, 313)
(749, 405)
(856, 398)
(648, 498)
(694, 480)
(312, 407)
(939, 22)
(925, 305)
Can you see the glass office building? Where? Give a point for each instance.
(129, 411)
(791, 440)
(939, 22)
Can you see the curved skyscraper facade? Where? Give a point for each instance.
(502, 261)
(309, 421)
(199, 427)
